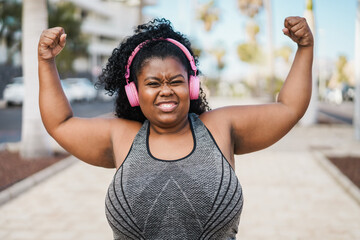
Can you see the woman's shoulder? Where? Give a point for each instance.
(123, 132)
(215, 117)
(125, 125)
(218, 125)
(217, 121)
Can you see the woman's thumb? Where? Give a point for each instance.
(62, 40)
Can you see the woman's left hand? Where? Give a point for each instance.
(299, 31)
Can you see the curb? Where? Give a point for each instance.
(22, 186)
(346, 184)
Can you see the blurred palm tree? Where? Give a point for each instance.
(219, 54)
(250, 8)
(10, 27)
(60, 14)
(250, 51)
(270, 50)
(35, 142)
(284, 52)
(212, 84)
(340, 76)
(252, 29)
(196, 50)
(340, 68)
(67, 15)
(208, 14)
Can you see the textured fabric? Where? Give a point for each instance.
(195, 197)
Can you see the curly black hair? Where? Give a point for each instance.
(113, 75)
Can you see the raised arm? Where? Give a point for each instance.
(87, 139)
(252, 128)
(296, 91)
(54, 106)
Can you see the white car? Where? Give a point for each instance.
(334, 96)
(80, 89)
(67, 91)
(14, 92)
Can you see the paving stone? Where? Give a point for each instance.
(23, 235)
(4, 234)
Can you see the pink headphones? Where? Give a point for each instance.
(130, 88)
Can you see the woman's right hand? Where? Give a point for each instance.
(51, 42)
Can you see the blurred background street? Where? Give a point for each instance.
(10, 121)
(293, 190)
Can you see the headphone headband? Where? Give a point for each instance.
(178, 44)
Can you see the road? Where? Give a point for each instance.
(10, 118)
(333, 113)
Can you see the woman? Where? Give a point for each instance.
(174, 157)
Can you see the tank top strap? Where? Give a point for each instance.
(202, 134)
(139, 143)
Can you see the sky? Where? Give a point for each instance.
(334, 30)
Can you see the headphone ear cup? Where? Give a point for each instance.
(194, 87)
(132, 94)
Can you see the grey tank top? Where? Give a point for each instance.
(195, 197)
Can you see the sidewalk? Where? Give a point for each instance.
(287, 195)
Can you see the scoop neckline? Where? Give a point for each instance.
(172, 160)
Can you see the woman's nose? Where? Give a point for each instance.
(166, 90)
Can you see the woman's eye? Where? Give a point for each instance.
(175, 82)
(153, 84)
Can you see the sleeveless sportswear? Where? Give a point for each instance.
(195, 197)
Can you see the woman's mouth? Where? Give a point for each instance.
(167, 106)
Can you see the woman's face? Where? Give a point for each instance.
(164, 91)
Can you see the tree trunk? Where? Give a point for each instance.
(310, 116)
(357, 74)
(35, 142)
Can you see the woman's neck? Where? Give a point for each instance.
(179, 128)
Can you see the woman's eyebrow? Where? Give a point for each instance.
(152, 78)
(176, 76)
(158, 79)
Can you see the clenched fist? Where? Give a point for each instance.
(51, 42)
(299, 31)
